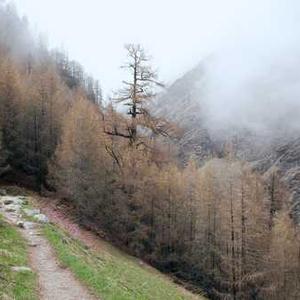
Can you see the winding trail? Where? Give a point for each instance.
(55, 282)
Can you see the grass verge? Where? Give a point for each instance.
(13, 252)
(109, 276)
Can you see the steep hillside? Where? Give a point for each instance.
(89, 267)
(210, 224)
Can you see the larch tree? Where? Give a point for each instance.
(44, 106)
(136, 94)
(11, 113)
(283, 265)
(81, 171)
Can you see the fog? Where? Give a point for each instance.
(252, 76)
(260, 93)
(253, 81)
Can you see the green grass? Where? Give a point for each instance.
(13, 252)
(110, 275)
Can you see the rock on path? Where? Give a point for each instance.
(55, 283)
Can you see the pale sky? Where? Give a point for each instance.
(177, 33)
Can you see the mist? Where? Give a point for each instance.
(253, 71)
(252, 81)
(15, 35)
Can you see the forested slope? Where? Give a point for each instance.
(267, 151)
(222, 226)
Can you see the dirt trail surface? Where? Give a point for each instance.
(64, 217)
(55, 282)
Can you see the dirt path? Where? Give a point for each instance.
(55, 282)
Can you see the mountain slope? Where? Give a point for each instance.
(181, 104)
(108, 272)
(268, 152)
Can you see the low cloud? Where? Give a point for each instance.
(253, 81)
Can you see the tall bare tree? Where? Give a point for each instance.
(138, 90)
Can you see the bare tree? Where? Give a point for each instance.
(138, 90)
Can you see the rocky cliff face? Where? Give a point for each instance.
(182, 103)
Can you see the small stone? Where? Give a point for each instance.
(24, 199)
(20, 224)
(19, 200)
(29, 225)
(3, 192)
(41, 218)
(31, 212)
(141, 263)
(8, 201)
(12, 208)
(21, 269)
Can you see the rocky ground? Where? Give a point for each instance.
(55, 282)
